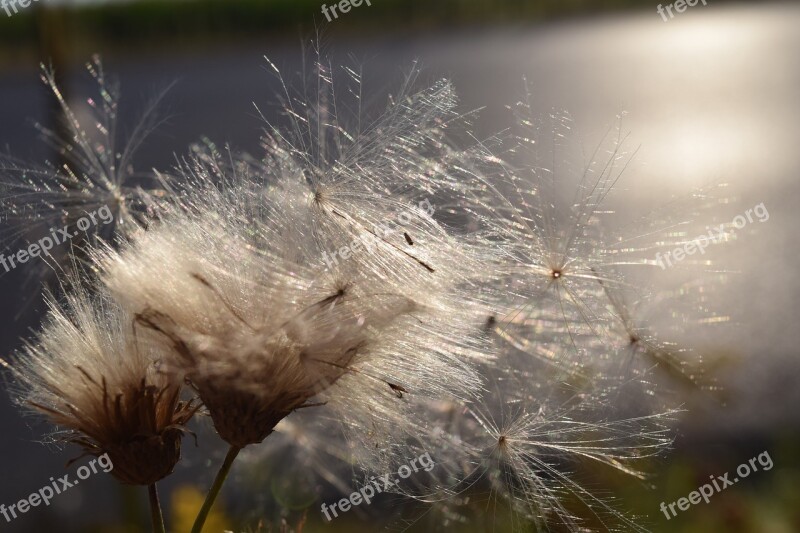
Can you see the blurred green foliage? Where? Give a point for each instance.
(768, 501)
(158, 22)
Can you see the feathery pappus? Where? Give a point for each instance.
(364, 291)
(91, 376)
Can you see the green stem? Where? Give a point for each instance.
(215, 488)
(155, 510)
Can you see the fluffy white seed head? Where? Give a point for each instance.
(91, 376)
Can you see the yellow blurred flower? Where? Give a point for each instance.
(185, 504)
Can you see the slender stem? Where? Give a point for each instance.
(215, 488)
(155, 510)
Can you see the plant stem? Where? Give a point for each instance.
(155, 510)
(215, 488)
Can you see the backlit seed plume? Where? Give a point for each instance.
(567, 254)
(93, 171)
(318, 274)
(527, 449)
(530, 454)
(89, 375)
(556, 243)
(358, 167)
(371, 288)
(261, 326)
(520, 271)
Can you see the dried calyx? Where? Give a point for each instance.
(92, 377)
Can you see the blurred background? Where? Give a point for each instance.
(711, 96)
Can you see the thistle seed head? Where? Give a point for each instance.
(97, 382)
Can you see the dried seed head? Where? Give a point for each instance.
(269, 300)
(90, 376)
(242, 418)
(257, 335)
(142, 459)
